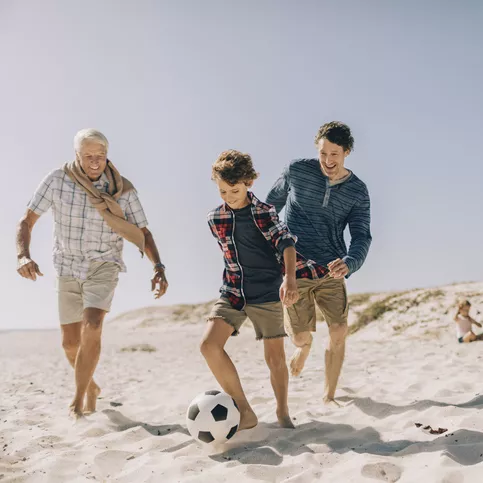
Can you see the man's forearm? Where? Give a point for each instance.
(150, 248)
(290, 261)
(24, 234)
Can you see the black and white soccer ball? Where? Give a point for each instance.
(213, 417)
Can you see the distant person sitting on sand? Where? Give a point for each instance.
(261, 266)
(464, 323)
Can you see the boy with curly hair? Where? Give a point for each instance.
(261, 267)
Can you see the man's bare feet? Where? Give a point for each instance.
(248, 420)
(91, 398)
(297, 361)
(285, 421)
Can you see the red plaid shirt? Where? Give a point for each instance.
(222, 225)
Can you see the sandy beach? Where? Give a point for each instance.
(404, 368)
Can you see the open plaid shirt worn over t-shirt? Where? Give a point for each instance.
(222, 225)
(81, 235)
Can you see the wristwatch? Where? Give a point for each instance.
(159, 266)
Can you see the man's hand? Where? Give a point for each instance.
(27, 268)
(159, 284)
(338, 268)
(289, 293)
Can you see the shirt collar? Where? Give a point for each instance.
(253, 201)
(102, 181)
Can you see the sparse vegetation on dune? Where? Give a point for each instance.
(411, 310)
(371, 313)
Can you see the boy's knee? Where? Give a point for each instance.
(275, 362)
(208, 347)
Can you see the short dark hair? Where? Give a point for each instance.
(234, 167)
(338, 133)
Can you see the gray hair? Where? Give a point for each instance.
(92, 134)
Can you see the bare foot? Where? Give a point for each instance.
(91, 398)
(330, 401)
(76, 413)
(285, 421)
(297, 361)
(248, 420)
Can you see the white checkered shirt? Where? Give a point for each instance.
(81, 235)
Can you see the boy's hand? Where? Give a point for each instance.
(338, 268)
(159, 284)
(289, 293)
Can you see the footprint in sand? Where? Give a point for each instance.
(107, 460)
(382, 472)
(454, 477)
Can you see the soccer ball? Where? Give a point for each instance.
(213, 417)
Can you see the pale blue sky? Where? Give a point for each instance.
(172, 84)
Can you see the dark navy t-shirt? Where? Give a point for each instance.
(262, 274)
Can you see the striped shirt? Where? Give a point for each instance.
(81, 235)
(318, 212)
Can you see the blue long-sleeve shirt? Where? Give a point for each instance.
(317, 213)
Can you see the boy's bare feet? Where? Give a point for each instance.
(284, 420)
(330, 401)
(248, 420)
(297, 361)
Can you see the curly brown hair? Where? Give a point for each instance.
(338, 133)
(233, 167)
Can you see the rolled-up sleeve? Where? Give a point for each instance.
(42, 199)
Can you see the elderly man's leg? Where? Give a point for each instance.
(87, 358)
(71, 338)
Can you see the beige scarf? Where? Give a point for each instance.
(107, 203)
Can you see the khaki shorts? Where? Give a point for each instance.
(267, 319)
(328, 293)
(96, 291)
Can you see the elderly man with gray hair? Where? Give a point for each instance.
(94, 210)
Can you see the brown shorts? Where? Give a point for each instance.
(267, 319)
(328, 293)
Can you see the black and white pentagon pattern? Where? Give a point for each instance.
(193, 411)
(219, 413)
(212, 393)
(206, 437)
(212, 417)
(232, 432)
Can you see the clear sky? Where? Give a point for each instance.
(172, 84)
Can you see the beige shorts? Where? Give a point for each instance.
(267, 319)
(328, 293)
(96, 291)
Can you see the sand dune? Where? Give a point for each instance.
(403, 367)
